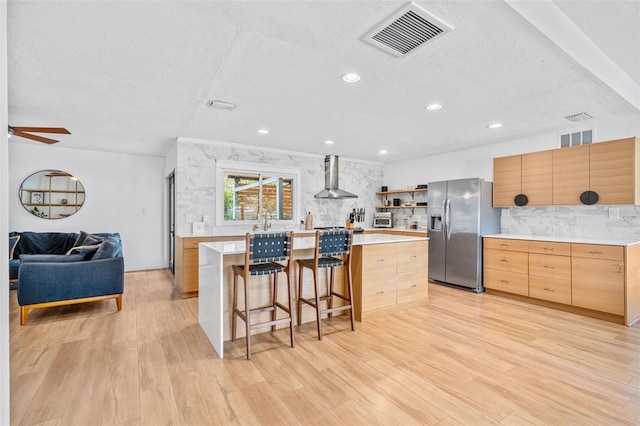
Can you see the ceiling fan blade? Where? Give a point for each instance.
(33, 137)
(42, 130)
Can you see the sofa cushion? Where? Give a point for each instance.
(14, 267)
(44, 243)
(48, 258)
(13, 241)
(86, 251)
(110, 247)
(87, 239)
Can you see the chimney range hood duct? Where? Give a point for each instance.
(331, 189)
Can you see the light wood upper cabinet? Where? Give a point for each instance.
(507, 180)
(560, 176)
(537, 178)
(612, 171)
(570, 174)
(528, 174)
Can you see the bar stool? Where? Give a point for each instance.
(263, 255)
(329, 244)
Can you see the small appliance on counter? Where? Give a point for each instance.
(383, 220)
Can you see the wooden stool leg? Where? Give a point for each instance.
(350, 288)
(330, 291)
(274, 299)
(299, 304)
(247, 313)
(234, 306)
(317, 294)
(290, 294)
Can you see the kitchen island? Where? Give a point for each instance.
(216, 278)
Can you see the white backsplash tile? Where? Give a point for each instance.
(572, 221)
(196, 192)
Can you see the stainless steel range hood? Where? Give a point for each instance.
(331, 189)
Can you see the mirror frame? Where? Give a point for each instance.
(46, 197)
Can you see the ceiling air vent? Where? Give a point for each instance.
(407, 29)
(582, 116)
(214, 103)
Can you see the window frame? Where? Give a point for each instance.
(226, 167)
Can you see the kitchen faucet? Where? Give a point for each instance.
(266, 225)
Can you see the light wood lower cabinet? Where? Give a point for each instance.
(506, 266)
(186, 263)
(598, 277)
(388, 275)
(593, 279)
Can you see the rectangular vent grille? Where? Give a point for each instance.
(406, 30)
(582, 116)
(584, 137)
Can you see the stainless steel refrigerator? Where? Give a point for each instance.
(460, 212)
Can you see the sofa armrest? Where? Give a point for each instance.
(41, 282)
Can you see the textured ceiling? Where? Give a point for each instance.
(133, 76)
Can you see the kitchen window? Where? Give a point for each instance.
(249, 192)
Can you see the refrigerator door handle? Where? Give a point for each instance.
(444, 220)
(448, 219)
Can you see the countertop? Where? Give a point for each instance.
(235, 247)
(241, 232)
(577, 240)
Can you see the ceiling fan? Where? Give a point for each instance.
(25, 132)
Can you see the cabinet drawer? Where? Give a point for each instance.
(410, 290)
(412, 258)
(506, 244)
(551, 289)
(192, 243)
(597, 251)
(511, 282)
(514, 261)
(544, 247)
(376, 295)
(544, 265)
(379, 260)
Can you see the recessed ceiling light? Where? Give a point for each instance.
(263, 131)
(328, 142)
(382, 151)
(495, 125)
(351, 77)
(433, 107)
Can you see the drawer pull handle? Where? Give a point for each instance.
(380, 292)
(619, 267)
(548, 248)
(413, 256)
(504, 260)
(548, 289)
(380, 260)
(549, 266)
(595, 252)
(504, 281)
(413, 286)
(504, 245)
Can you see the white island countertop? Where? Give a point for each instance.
(235, 247)
(575, 240)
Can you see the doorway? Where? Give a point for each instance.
(172, 220)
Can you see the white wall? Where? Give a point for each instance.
(478, 162)
(4, 224)
(124, 193)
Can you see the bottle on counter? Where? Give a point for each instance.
(309, 222)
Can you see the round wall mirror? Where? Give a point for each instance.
(51, 194)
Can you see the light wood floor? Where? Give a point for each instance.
(461, 359)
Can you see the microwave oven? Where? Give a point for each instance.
(383, 220)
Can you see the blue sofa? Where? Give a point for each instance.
(54, 269)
